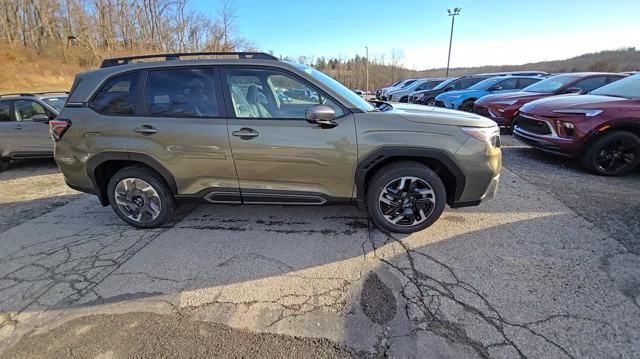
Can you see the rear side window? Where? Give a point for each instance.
(509, 84)
(5, 111)
(181, 93)
(117, 96)
(591, 83)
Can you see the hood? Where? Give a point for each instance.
(568, 101)
(510, 96)
(431, 92)
(438, 115)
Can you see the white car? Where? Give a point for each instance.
(402, 95)
(402, 84)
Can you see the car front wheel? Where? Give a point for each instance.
(405, 197)
(140, 197)
(4, 164)
(467, 106)
(613, 154)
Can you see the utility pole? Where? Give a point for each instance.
(367, 66)
(453, 14)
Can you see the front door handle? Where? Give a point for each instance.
(18, 127)
(145, 130)
(246, 133)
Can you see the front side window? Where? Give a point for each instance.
(522, 83)
(181, 93)
(272, 94)
(551, 84)
(56, 102)
(26, 109)
(117, 96)
(5, 111)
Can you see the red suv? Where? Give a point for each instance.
(502, 108)
(601, 128)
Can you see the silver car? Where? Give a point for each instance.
(24, 129)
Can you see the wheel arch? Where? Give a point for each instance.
(439, 161)
(103, 165)
(627, 124)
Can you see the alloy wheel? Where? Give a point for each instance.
(616, 156)
(407, 201)
(137, 200)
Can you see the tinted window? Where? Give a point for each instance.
(5, 111)
(117, 96)
(551, 84)
(56, 102)
(591, 83)
(272, 94)
(25, 109)
(509, 84)
(181, 93)
(467, 83)
(526, 82)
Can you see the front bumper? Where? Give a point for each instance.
(548, 143)
(446, 104)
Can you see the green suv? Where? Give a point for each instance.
(250, 129)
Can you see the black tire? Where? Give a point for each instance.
(164, 196)
(467, 106)
(430, 102)
(389, 176)
(4, 164)
(612, 154)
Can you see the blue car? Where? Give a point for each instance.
(463, 99)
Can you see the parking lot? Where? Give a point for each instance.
(549, 268)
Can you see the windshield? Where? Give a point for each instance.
(444, 84)
(550, 85)
(339, 88)
(485, 84)
(409, 82)
(627, 88)
(56, 102)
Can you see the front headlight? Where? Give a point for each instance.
(490, 135)
(579, 111)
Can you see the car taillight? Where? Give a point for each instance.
(58, 127)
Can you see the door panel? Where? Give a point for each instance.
(293, 155)
(276, 151)
(33, 137)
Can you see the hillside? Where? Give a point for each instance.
(26, 70)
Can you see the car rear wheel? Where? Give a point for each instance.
(140, 197)
(405, 197)
(467, 106)
(430, 102)
(613, 154)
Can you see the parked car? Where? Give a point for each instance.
(601, 128)
(428, 97)
(463, 100)
(402, 95)
(151, 145)
(24, 132)
(401, 85)
(502, 108)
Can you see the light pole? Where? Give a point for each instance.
(367, 66)
(453, 14)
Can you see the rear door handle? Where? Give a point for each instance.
(246, 133)
(145, 130)
(18, 127)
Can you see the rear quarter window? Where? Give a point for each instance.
(5, 111)
(117, 96)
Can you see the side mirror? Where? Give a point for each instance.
(575, 90)
(40, 117)
(447, 89)
(495, 88)
(321, 115)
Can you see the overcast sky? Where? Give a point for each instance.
(486, 33)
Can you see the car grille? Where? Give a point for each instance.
(534, 126)
(440, 103)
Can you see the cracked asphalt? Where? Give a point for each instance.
(547, 269)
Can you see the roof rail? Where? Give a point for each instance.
(176, 56)
(32, 94)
